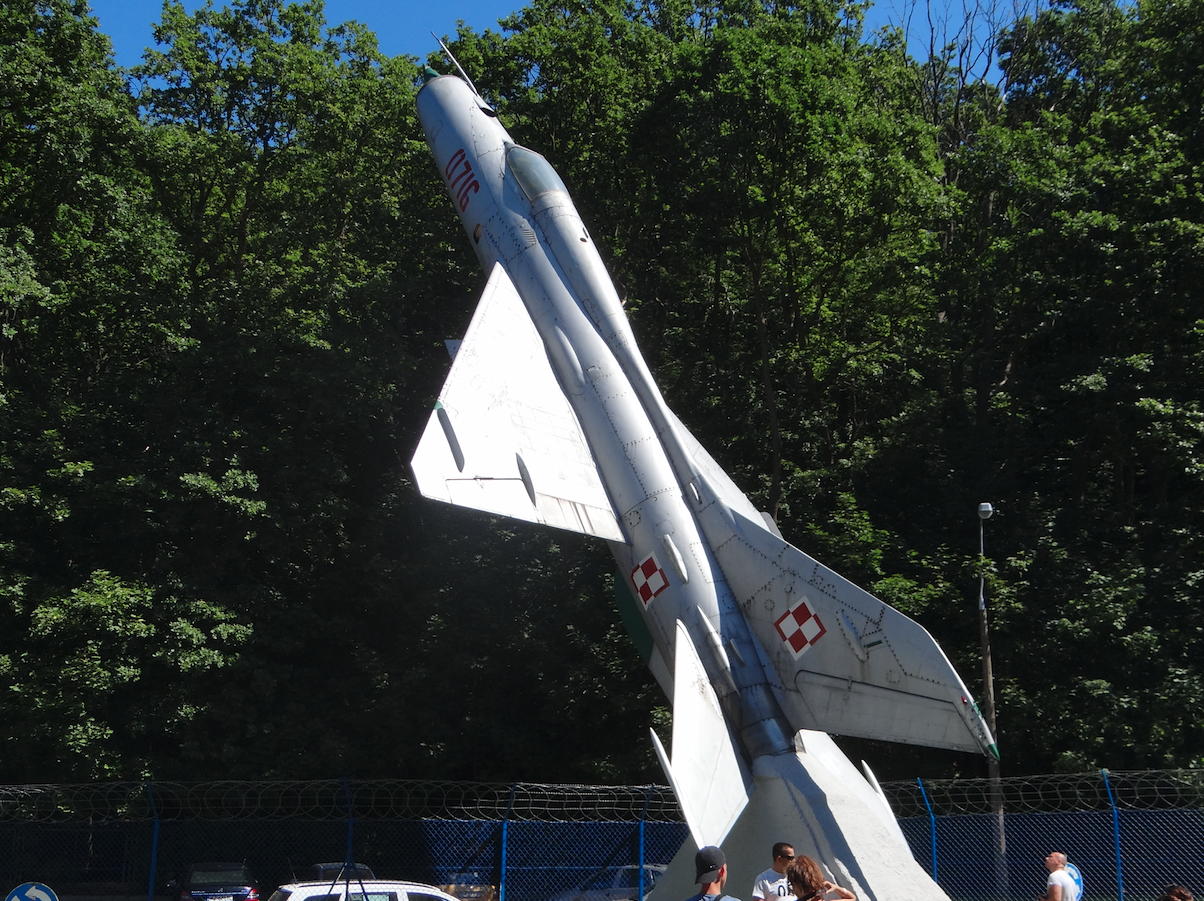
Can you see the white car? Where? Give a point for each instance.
(359, 890)
(614, 884)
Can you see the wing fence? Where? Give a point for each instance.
(1129, 833)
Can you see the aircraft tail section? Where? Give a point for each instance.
(708, 776)
(846, 662)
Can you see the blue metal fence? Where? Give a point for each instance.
(529, 861)
(1128, 846)
(1130, 834)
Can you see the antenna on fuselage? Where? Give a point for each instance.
(456, 63)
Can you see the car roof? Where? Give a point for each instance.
(387, 884)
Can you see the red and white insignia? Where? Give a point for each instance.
(800, 628)
(649, 579)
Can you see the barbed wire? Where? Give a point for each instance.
(1131, 790)
(335, 799)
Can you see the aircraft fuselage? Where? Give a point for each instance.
(516, 213)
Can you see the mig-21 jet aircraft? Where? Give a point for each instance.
(550, 415)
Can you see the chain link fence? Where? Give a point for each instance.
(1129, 833)
(519, 842)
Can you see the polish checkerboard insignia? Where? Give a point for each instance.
(800, 628)
(649, 579)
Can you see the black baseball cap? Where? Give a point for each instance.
(707, 863)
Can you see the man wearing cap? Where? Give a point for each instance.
(710, 872)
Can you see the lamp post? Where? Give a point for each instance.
(985, 511)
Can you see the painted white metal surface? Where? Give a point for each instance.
(706, 771)
(506, 410)
(815, 799)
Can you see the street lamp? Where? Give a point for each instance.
(985, 511)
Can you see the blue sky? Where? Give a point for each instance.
(401, 26)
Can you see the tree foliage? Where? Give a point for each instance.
(879, 290)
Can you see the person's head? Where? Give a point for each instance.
(1055, 861)
(710, 866)
(805, 877)
(783, 853)
(1175, 893)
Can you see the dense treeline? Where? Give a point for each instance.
(880, 291)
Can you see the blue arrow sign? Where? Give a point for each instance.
(32, 891)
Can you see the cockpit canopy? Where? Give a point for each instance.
(534, 174)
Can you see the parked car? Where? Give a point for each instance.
(614, 884)
(367, 890)
(470, 887)
(332, 871)
(217, 882)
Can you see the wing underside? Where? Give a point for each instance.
(503, 437)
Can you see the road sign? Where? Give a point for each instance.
(1077, 877)
(32, 891)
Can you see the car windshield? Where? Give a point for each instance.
(327, 870)
(629, 877)
(535, 175)
(222, 876)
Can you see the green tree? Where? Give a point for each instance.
(1062, 383)
(94, 652)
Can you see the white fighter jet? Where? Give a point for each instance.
(550, 415)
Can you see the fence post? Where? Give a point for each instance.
(349, 858)
(150, 887)
(931, 826)
(640, 862)
(1120, 876)
(501, 881)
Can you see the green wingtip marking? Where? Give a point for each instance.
(438, 405)
(629, 611)
(994, 749)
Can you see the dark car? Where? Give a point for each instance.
(218, 882)
(326, 872)
(615, 884)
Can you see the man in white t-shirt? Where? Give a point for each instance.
(772, 885)
(1061, 885)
